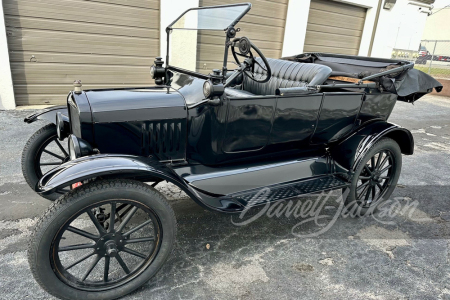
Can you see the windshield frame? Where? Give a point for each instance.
(248, 4)
(227, 38)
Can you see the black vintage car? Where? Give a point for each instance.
(291, 126)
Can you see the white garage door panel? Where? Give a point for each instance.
(334, 20)
(70, 42)
(325, 49)
(339, 8)
(105, 43)
(334, 30)
(25, 73)
(135, 3)
(219, 40)
(330, 39)
(62, 89)
(334, 27)
(84, 11)
(71, 58)
(69, 26)
(265, 8)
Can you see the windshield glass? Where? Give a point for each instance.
(200, 47)
(211, 18)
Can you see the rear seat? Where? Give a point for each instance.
(285, 74)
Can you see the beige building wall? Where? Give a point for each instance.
(437, 27)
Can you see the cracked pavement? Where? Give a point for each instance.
(403, 254)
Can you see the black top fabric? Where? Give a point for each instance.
(409, 85)
(414, 84)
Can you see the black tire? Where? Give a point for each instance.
(32, 154)
(385, 183)
(41, 251)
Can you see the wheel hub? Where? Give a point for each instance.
(109, 244)
(376, 177)
(111, 248)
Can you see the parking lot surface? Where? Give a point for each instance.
(402, 254)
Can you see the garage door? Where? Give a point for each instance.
(334, 27)
(263, 25)
(105, 43)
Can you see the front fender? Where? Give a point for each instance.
(48, 114)
(349, 152)
(124, 166)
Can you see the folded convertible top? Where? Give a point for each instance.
(409, 84)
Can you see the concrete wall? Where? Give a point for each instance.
(6, 86)
(295, 29)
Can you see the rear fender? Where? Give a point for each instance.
(109, 166)
(48, 114)
(349, 152)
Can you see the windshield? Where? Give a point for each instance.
(211, 18)
(197, 38)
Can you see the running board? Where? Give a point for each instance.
(226, 180)
(287, 190)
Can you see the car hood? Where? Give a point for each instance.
(136, 104)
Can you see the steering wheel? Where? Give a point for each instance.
(245, 50)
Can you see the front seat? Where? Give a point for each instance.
(285, 74)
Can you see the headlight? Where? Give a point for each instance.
(152, 71)
(211, 90)
(207, 87)
(78, 147)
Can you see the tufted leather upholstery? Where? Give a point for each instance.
(285, 74)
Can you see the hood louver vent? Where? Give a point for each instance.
(165, 139)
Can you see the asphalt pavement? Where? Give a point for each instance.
(401, 253)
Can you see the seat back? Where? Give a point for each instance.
(286, 74)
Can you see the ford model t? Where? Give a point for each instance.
(291, 126)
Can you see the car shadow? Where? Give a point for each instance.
(206, 238)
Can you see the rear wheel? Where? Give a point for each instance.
(102, 240)
(375, 176)
(43, 152)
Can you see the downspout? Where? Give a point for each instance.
(375, 25)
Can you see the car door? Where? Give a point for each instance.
(249, 122)
(295, 118)
(337, 116)
(254, 122)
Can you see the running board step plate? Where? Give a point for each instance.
(287, 190)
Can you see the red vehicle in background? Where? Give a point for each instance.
(423, 51)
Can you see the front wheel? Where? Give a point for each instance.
(102, 240)
(41, 153)
(375, 176)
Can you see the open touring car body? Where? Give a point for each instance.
(296, 142)
(302, 131)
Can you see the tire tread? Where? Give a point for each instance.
(67, 199)
(30, 144)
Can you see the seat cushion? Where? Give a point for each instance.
(286, 74)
